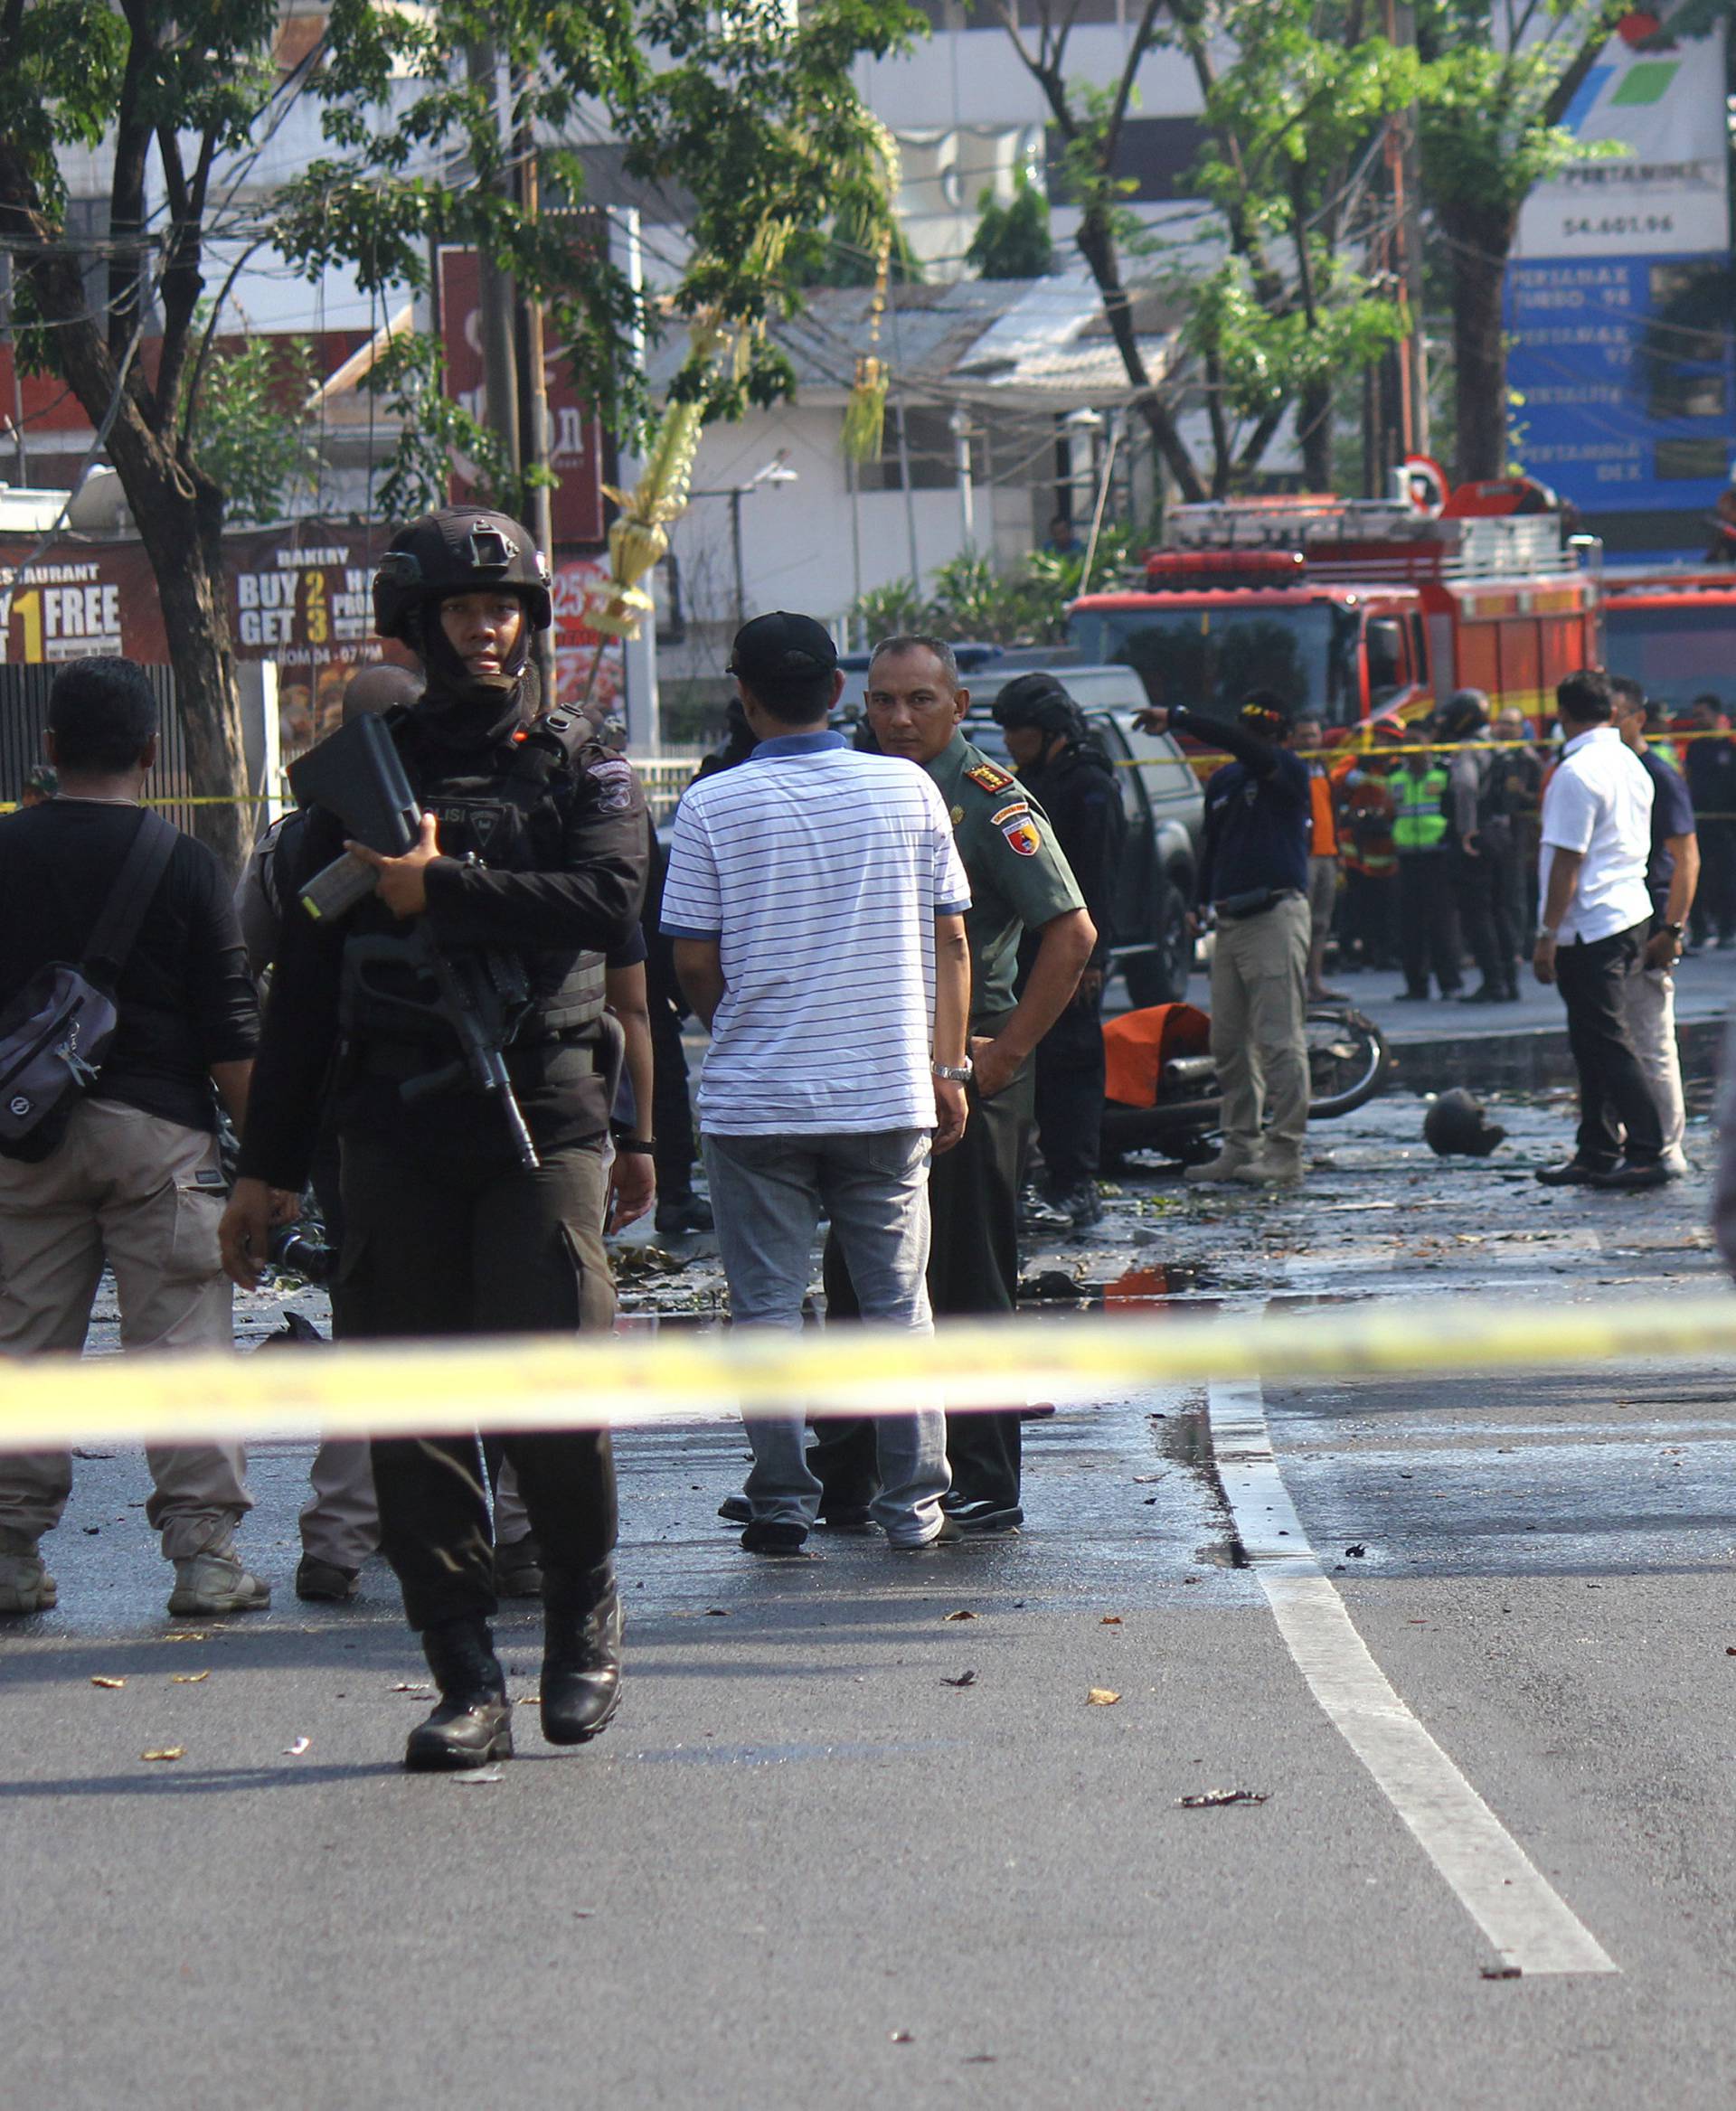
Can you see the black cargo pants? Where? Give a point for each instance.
(972, 1270)
(456, 1239)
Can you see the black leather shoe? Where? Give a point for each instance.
(581, 1658)
(1572, 1174)
(680, 1216)
(735, 1509)
(473, 1720)
(1629, 1179)
(982, 1516)
(1411, 997)
(785, 1542)
(518, 1569)
(854, 1517)
(1483, 995)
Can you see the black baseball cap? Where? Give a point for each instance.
(777, 649)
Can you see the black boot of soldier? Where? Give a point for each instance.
(582, 1654)
(473, 1722)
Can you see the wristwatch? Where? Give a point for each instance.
(1676, 930)
(955, 1073)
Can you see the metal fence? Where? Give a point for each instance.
(24, 714)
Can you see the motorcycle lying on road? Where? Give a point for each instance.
(1161, 1091)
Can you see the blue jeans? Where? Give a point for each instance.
(767, 1196)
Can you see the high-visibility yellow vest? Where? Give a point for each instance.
(1420, 822)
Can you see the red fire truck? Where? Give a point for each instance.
(1674, 632)
(1354, 609)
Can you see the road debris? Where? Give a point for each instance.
(1110, 1620)
(476, 1777)
(958, 1616)
(188, 1678)
(1217, 1799)
(294, 1750)
(963, 1679)
(165, 1752)
(113, 1685)
(1101, 1697)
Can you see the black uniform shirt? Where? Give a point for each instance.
(184, 998)
(1079, 792)
(1259, 813)
(562, 874)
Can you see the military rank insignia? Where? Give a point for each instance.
(1020, 830)
(990, 776)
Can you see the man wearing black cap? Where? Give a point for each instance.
(817, 905)
(529, 868)
(1073, 781)
(1253, 876)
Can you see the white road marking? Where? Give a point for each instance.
(1530, 1925)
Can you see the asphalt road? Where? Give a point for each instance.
(803, 1868)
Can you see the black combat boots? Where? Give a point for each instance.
(582, 1654)
(473, 1722)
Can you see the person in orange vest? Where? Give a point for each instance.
(1366, 811)
(1322, 858)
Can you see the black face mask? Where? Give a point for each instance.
(463, 710)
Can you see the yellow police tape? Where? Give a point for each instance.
(562, 1382)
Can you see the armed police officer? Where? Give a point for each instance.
(1066, 771)
(530, 865)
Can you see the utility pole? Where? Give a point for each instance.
(533, 410)
(1404, 160)
(495, 319)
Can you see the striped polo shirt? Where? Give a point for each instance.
(820, 872)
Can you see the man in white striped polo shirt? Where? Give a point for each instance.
(817, 909)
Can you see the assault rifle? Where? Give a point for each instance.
(357, 774)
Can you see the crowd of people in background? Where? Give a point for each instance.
(1423, 850)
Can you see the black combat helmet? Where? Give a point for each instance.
(1039, 700)
(1458, 1126)
(1465, 712)
(460, 549)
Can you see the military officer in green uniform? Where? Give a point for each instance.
(1019, 883)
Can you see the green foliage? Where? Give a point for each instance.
(1012, 241)
(848, 254)
(435, 431)
(1489, 109)
(972, 600)
(249, 434)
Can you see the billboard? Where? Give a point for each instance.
(299, 596)
(1667, 191)
(575, 431)
(1619, 295)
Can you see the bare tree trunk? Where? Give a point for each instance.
(1097, 246)
(180, 520)
(1314, 434)
(1480, 243)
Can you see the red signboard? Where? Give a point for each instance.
(575, 432)
(299, 596)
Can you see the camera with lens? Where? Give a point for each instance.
(294, 1252)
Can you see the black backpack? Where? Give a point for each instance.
(56, 1032)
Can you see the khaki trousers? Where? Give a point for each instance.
(341, 1523)
(1648, 1004)
(145, 1195)
(1260, 981)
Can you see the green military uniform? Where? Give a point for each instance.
(1019, 882)
(1427, 918)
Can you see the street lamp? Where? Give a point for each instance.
(775, 471)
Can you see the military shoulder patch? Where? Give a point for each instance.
(990, 776)
(1020, 831)
(1011, 813)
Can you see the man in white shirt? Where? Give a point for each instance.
(1594, 918)
(816, 904)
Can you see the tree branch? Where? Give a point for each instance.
(127, 191)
